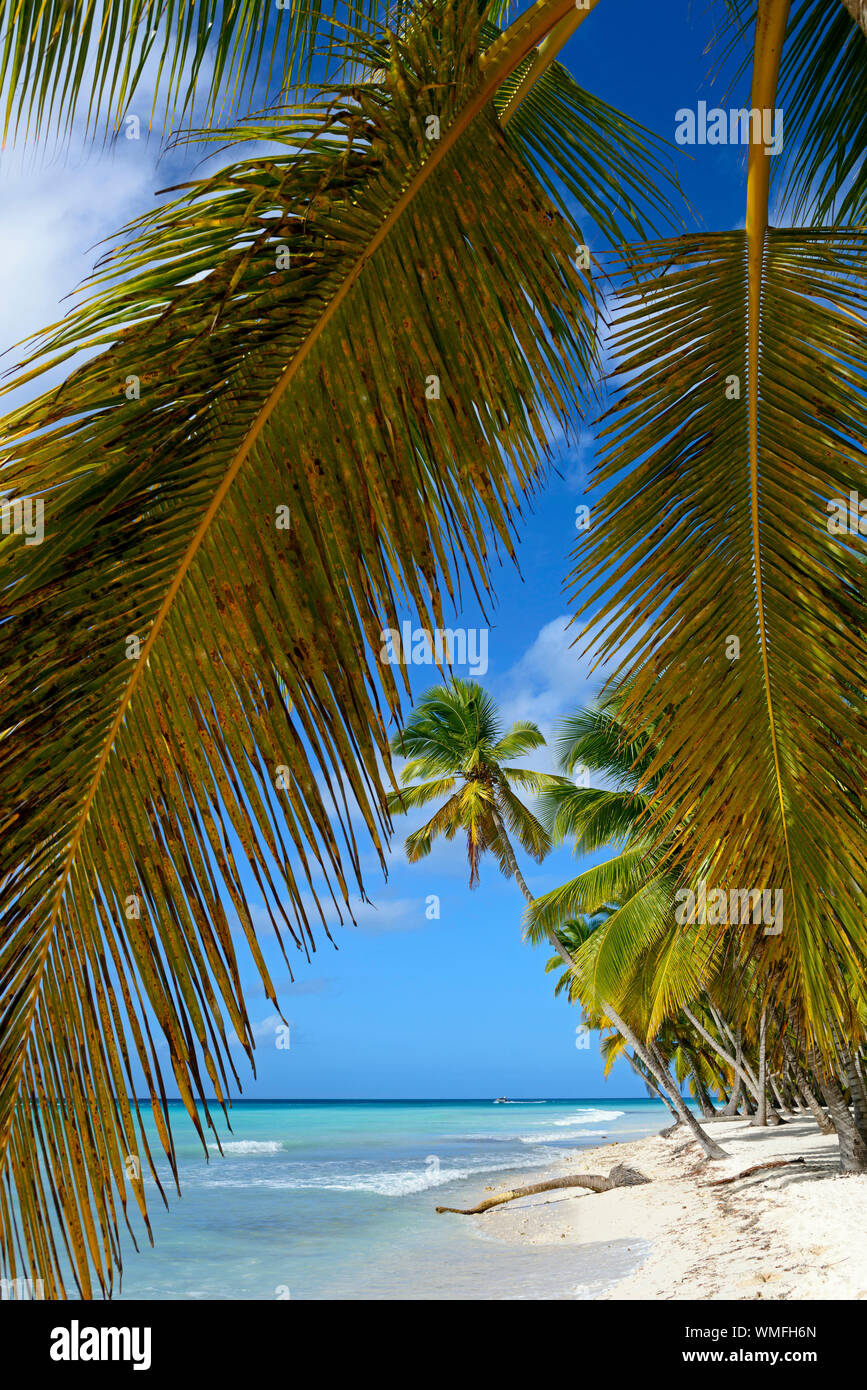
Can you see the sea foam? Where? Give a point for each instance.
(249, 1146)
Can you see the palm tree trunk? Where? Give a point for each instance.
(657, 1066)
(763, 1116)
(706, 1105)
(776, 1087)
(650, 1083)
(856, 1090)
(738, 1092)
(734, 1036)
(733, 1062)
(853, 1150)
(660, 1074)
(802, 1082)
(825, 1124)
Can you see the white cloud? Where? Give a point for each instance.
(389, 914)
(551, 679)
(51, 221)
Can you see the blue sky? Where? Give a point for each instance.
(411, 1007)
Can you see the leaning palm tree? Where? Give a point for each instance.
(454, 742)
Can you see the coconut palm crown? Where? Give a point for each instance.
(457, 750)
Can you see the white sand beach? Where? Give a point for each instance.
(792, 1232)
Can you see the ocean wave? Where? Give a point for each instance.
(588, 1117)
(550, 1138)
(249, 1146)
(400, 1183)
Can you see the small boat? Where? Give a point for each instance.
(502, 1100)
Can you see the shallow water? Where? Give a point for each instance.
(335, 1200)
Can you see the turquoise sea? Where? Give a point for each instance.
(335, 1200)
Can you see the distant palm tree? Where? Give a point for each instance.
(456, 745)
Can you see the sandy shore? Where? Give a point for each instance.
(795, 1232)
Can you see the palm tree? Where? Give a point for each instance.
(676, 984)
(455, 744)
(453, 739)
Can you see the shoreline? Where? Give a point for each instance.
(787, 1233)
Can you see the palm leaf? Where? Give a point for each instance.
(249, 713)
(419, 795)
(820, 174)
(610, 882)
(589, 817)
(530, 833)
(723, 518)
(522, 737)
(824, 95)
(57, 54)
(447, 820)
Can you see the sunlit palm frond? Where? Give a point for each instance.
(820, 173)
(823, 176)
(529, 832)
(522, 737)
(62, 57)
(446, 821)
(616, 169)
(242, 488)
(419, 795)
(742, 417)
(611, 882)
(590, 817)
(528, 780)
(683, 966)
(628, 935)
(596, 739)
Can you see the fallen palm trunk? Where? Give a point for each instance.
(756, 1168)
(620, 1176)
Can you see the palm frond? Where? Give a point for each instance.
(823, 176)
(611, 882)
(628, 934)
(590, 817)
(719, 582)
(617, 171)
(522, 737)
(58, 56)
(246, 482)
(820, 173)
(529, 832)
(447, 820)
(419, 795)
(596, 739)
